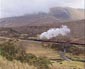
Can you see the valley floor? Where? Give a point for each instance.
(37, 49)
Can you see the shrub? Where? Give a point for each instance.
(11, 52)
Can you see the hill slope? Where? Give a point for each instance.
(77, 28)
(55, 15)
(67, 13)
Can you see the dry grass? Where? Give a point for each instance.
(5, 64)
(68, 65)
(38, 50)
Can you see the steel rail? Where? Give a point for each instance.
(58, 42)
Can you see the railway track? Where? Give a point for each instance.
(57, 42)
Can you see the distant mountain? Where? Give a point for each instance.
(55, 15)
(67, 13)
(34, 19)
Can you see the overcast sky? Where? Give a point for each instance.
(20, 7)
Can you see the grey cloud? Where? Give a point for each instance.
(20, 7)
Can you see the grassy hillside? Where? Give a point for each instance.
(5, 64)
(76, 27)
(37, 49)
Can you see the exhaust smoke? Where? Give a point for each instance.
(54, 32)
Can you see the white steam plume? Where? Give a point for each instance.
(54, 32)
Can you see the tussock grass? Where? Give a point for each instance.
(38, 50)
(11, 52)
